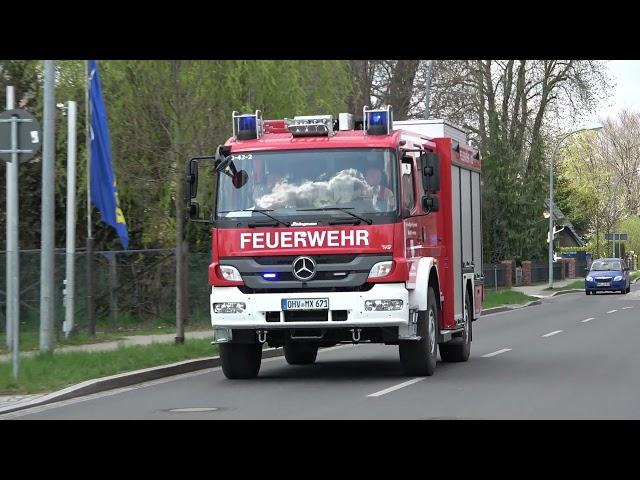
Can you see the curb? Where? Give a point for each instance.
(562, 292)
(490, 311)
(127, 379)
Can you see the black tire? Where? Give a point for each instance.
(459, 349)
(587, 292)
(240, 360)
(300, 353)
(419, 357)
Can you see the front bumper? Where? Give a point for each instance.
(595, 287)
(258, 304)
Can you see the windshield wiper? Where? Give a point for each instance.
(368, 221)
(264, 212)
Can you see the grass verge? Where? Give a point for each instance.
(30, 340)
(46, 373)
(504, 297)
(635, 275)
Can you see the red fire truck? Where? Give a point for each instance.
(342, 231)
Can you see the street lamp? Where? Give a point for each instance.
(553, 158)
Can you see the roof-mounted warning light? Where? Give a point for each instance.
(378, 121)
(310, 125)
(247, 126)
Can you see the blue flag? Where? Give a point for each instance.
(104, 194)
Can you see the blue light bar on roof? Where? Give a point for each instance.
(247, 126)
(379, 121)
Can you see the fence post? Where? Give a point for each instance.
(507, 264)
(113, 285)
(526, 273)
(572, 268)
(495, 277)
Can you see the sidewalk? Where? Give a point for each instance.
(114, 345)
(539, 290)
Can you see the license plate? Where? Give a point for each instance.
(305, 304)
(604, 284)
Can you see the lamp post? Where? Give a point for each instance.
(553, 158)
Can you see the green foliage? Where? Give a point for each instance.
(160, 113)
(631, 226)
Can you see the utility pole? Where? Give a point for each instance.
(91, 311)
(48, 211)
(70, 295)
(12, 263)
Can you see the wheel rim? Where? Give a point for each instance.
(432, 330)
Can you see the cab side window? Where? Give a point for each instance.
(408, 196)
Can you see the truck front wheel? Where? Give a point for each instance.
(300, 353)
(240, 360)
(419, 357)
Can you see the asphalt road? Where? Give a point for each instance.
(543, 362)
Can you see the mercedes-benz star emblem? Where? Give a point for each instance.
(304, 268)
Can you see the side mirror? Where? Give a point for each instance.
(240, 179)
(191, 189)
(430, 171)
(430, 203)
(222, 160)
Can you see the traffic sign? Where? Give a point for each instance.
(616, 236)
(28, 135)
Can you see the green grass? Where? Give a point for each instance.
(504, 297)
(30, 340)
(45, 373)
(635, 275)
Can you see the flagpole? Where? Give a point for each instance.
(91, 319)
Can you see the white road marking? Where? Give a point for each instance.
(551, 333)
(396, 387)
(493, 354)
(626, 308)
(612, 311)
(150, 383)
(587, 320)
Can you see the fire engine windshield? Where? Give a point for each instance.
(286, 181)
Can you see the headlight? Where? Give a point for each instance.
(589, 278)
(617, 278)
(381, 269)
(382, 305)
(230, 273)
(229, 307)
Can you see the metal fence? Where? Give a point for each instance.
(133, 289)
(495, 275)
(540, 271)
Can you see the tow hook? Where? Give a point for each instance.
(262, 336)
(355, 334)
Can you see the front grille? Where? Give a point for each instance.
(307, 316)
(273, 316)
(311, 316)
(288, 259)
(339, 315)
(365, 287)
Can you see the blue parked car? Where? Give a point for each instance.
(608, 274)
